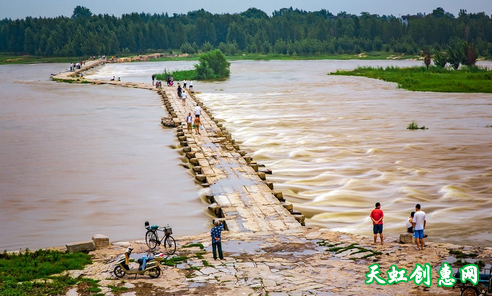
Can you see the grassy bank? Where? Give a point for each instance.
(466, 80)
(376, 55)
(38, 273)
(6, 58)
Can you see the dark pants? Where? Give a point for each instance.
(215, 247)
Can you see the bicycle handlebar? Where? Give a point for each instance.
(160, 228)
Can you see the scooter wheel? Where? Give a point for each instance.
(155, 272)
(119, 272)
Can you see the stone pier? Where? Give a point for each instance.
(240, 194)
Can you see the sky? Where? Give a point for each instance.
(19, 9)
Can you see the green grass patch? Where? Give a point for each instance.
(9, 58)
(40, 287)
(32, 273)
(6, 59)
(459, 254)
(177, 75)
(117, 290)
(174, 260)
(373, 253)
(324, 243)
(199, 255)
(194, 245)
(89, 287)
(337, 249)
(63, 80)
(376, 55)
(205, 263)
(28, 266)
(466, 80)
(414, 126)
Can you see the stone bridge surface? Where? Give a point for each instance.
(267, 250)
(238, 191)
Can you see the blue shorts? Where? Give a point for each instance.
(377, 228)
(418, 233)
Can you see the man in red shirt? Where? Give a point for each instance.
(377, 222)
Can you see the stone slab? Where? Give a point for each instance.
(86, 246)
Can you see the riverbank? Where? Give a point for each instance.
(464, 80)
(261, 257)
(8, 59)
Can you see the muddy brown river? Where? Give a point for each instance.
(79, 159)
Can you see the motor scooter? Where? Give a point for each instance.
(152, 265)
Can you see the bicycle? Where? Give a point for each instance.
(152, 238)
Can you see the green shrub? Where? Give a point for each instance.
(213, 65)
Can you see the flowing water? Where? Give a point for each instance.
(76, 160)
(336, 145)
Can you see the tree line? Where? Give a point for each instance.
(287, 31)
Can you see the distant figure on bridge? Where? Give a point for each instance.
(180, 90)
(183, 98)
(196, 124)
(198, 111)
(153, 78)
(189, 121)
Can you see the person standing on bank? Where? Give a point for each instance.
(419, 222)
(377, 222)
(215, 233)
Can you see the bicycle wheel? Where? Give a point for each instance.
(155, 272)
(170, 245)
(151, 239)
(119, 272)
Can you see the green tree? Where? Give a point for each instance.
(440, 59)
(212, 65)
(29, 46)
(81, 12)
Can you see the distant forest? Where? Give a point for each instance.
(287, 31)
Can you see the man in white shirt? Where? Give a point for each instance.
(198, 111)
(419, 223)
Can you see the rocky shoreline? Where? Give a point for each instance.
(267, 251)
